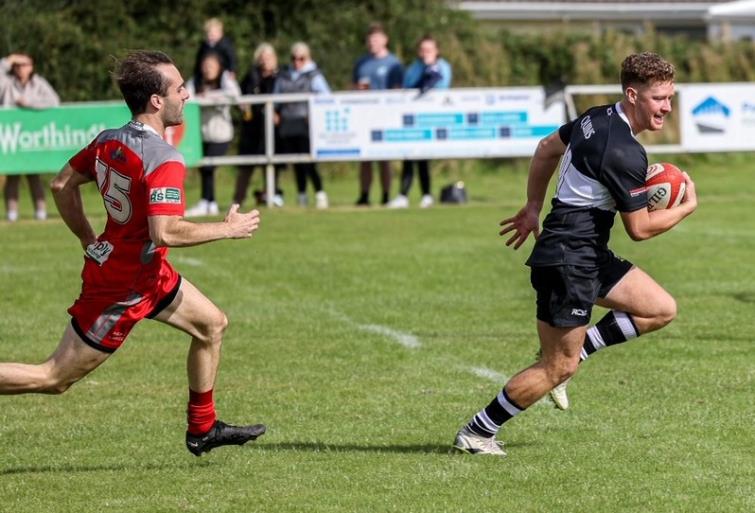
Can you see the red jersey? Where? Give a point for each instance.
(138, 175)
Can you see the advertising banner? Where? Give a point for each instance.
(457, 123)
(41, 141)
(717, 117)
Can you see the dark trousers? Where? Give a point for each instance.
(304, 170)
(207, 173)
(407, 176)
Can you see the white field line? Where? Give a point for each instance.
(489, 374)
(405, 339)
(401, 337)
(186, 260)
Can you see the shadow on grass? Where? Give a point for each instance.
(105, 467)
(396, 449)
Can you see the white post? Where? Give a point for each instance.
(269, 152)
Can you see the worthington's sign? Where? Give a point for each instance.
(13, 138)
(33, 141)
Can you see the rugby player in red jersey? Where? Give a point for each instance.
(126, 275)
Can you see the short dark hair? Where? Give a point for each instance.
(644, 69)
(430, 38)
(138, 78)
(376, 28)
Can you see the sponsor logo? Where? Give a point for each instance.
(636, 192)
(711, 116)
(579, 312)
(587, 128)
(14, 138)
(165, 196)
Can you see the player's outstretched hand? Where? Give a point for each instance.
(690, 194)
(526, 221)
(241, 225)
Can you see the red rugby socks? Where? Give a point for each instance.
(201, 412)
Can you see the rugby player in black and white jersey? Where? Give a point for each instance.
(602, 171)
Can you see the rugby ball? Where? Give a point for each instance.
(665, 186)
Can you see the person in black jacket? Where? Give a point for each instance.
(215, 41)
(259, 80)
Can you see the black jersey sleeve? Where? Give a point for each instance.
(565, 131)
(623, 174)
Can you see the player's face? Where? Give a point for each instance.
(174, 100)
(653, 103)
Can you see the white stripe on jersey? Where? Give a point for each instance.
(579, 190)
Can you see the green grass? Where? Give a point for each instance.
(358, 422)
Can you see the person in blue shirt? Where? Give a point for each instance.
(428, 71)
(379, 69)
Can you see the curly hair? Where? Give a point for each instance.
(644, 69)
(138, 78)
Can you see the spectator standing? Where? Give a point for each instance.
(301, 76)
(259, 80)
(217, 125)
(377, 70)
(215, 41)
(21, 87)
(428, 71)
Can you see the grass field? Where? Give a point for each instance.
(364, 339)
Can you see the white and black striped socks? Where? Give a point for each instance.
(614, 328)
(489, 420)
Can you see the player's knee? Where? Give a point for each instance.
(216, 328)
(561, 369)
(667, 312)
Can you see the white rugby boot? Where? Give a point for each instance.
(470, 442)
(559, 397)
(426, 201)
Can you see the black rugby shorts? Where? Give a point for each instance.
(567, 293)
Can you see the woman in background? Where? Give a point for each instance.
(428, 71)
(217, 126)
(21, 87)
(259, 80)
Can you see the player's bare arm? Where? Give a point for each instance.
(175, 231)
(65, 190)
(544, 162)
(643, 224)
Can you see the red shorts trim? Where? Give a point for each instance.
(104, 322)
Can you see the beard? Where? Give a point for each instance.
(173, 116)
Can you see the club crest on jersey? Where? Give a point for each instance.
(165, 196)
(117, 154)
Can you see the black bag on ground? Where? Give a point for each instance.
(454, 193)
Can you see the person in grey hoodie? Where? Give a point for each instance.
(302, 76)
(21, 87)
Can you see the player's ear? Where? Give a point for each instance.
(156, 101)
(631, 94)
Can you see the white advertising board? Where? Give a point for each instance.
(717, 117)
(458, 123)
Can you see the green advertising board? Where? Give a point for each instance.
(41, 141)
